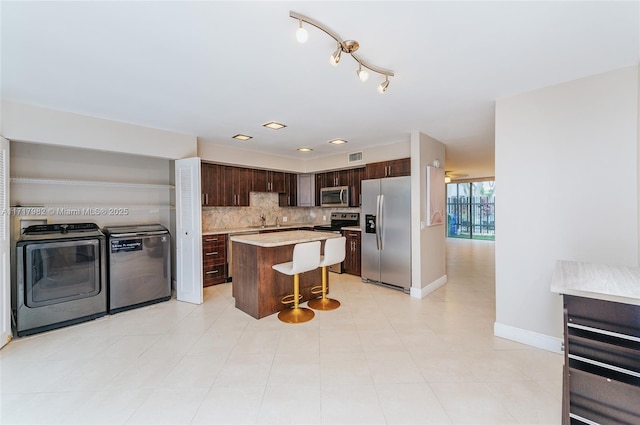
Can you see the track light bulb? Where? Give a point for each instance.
(335, 57)
(301, 34)
(362, 74)
(383, 85)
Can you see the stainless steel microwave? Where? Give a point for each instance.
(334, 196)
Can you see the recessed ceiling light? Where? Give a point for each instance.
(337, 141)
(242, 137)
(305, 149)
(274, 125)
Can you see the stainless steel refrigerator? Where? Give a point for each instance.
(386, 231)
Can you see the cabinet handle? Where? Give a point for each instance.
(603, 332)
(212, 272)
(202, 198)
(604, 365)
(211, 253)
(211, 240)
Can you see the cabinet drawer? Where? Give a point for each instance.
(614, 351)
(214, 260)
(605, 315)
(214, 274)
(602, 400)
(214, 239)
(214, 251)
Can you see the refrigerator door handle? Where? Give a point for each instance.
(380, 221)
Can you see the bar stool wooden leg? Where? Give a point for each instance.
(323, 303)
(296, 314)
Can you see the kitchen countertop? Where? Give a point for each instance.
(603, 282)
(254, 229)
(283, 238)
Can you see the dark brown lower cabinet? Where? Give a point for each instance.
(602, 362)
(352, 264)
(214, 259)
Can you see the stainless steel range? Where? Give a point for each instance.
(339, 220)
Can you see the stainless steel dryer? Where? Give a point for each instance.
(60, 277)
(139, 266)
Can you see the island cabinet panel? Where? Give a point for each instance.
(214, 259)
(602, 362)
(257, 288)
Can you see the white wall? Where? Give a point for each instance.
(248, 158)
(387, 152)
(209, 152)
(566, 170)
(142, 204)
(428, 244)
(28, 123)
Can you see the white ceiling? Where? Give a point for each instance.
(215, 69)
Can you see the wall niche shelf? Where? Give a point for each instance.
(98, 208)
(70, 182)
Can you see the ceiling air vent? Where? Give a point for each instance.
(356, 156)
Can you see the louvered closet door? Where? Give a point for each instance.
(5, 265)
(188, 231)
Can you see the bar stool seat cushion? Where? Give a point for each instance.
(306, 257)
(334, 251)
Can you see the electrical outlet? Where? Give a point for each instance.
(324, 218)
(284, 219)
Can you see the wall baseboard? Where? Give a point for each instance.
(528, 337)
(423, 292)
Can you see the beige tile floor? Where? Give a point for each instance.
(383, 357)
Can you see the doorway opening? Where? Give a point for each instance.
(471, 210)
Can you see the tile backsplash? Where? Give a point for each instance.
(216, 218)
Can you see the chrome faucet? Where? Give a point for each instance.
(263, 219)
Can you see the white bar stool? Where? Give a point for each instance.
(306, 257)
(334, 253)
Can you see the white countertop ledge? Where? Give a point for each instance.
(604, 282)
(283, 238)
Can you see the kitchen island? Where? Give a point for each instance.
(601, 377)
(256, 287)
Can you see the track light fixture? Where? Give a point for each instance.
(334, 59)
(362, 74)
(346, 46)
(301, 34)
(383, 85)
